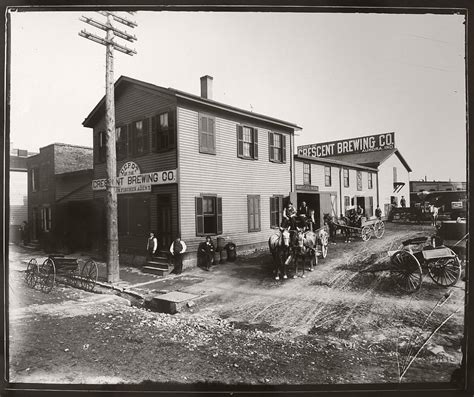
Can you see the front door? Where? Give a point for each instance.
(164, 230)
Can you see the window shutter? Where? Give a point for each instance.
(283, 148)
(249, 213)
(219, 215)
(211, 141)
(270, 145)
(146, 135)
(240, 141)
(199, 217)
(154, 128)
(201, 133)
(256, 210)
(255, 143)
(130, 137)
(171, 129)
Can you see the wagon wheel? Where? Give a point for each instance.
(47, 274)
(74, 280)
(379, 229)
(445, 271)
(366, 233)
(89, 275)
(406, 271)
(31, 275)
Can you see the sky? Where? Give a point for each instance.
(336, 75)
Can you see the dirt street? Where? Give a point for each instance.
(336, 325)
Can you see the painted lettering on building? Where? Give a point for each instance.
(364, 144)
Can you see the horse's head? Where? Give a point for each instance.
(298, 239)
(327, 219)
(285, 236)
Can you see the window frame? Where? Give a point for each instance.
(209, 135)
(276, 153)
(35, 179)
(276, 209)
(359, 180)
(306, 173)
(127, 220)
(254, 210)
(346, 178)
(370, 180)
(253, 144)
(100, 150)
(200, 216)
(161, 133)
(327, 176)
(45, 218)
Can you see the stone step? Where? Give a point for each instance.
(158, 264)
(155, 270)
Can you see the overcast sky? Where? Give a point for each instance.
(336, 75)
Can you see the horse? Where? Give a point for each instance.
(304, 246)
(336, 224)
(279, 244)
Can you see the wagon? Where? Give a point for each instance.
(58, 267)
(414, 255)
(367, 229)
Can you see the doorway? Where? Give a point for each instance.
(164, 227)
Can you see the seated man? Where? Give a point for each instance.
(289, 216)
(206, 253)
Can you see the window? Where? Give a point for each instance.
(207, 134)
(121, 133)
(327, 176)
(346, 177)
(347, 202)
(395, 180)
(306, 174)
(99, 147)
(35, 180)
(140, 137)
(133, 216)
(371, 181)
(276, 209)
(253, 211)
(163, 131)
(277, 147)
(46, 219)
(359, 180)
(208, 215)
(247, 142)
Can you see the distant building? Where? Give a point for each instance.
(18, 195)
(59, 176)
(436, 186)
(377, 152)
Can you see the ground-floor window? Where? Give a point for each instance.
(133, 216)
(208, 215)
(347, 203)
(253, 211)
(46, 219)
(276, 209)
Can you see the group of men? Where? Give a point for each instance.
(301, 217)
(177, 250)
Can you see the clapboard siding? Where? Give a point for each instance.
(386, 187)
(229, 177)
(317, 176)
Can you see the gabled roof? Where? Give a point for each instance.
(100, 107)
(334, 161)
(371, 159)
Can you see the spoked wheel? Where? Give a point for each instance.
(47, 274)
(406, 271)
(89, 275)
(445, 271)
(31, 275)
(324, 238)
(379, 229)
(366, 233)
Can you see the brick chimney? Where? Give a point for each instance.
(206, 87)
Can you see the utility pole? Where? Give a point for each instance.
(113, 273)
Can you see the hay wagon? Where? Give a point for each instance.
(55, 268)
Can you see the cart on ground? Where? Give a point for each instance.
(56, 268)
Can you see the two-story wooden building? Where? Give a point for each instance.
(191, 166)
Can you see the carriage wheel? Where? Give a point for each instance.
(324, 238)
(366, 233)
(445, 271)
(47, 274)
(324, 251)
(406, 272)
(379, 229)
(89, 275)
(31, 275)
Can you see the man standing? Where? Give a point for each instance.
(177, 249)
(403, 202)
(206, 253)
(151, 246)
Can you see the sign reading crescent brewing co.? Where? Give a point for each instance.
(363, 144)
(131, 180)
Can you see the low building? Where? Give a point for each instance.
(56, 175)
(18, 192)
(191, 166)
(376, 152)
(436, 186)
(330, 186)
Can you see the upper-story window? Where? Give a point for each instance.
(277, 147)
(306, 173)
(359, 180)
(163, 131)
(247, 142)
(207, 134)
(121, 134)
(35, 180)
(327, 176)
(140, 137)
(346, 177)
(371, 180)
(99, 147)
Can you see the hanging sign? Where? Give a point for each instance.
(363, 144)
(131, 180)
